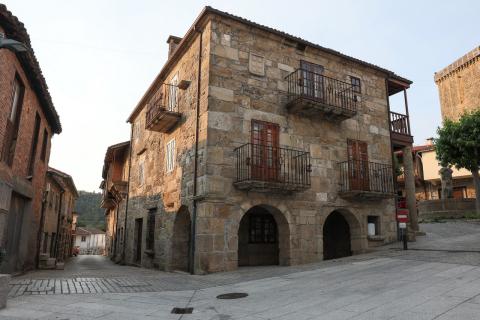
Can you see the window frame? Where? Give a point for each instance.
(355, 85)
(170, 155)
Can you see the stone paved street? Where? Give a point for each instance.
(439, 279)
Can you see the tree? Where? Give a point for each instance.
(458, 145)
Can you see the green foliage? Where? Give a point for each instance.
(398, 168)
(89, 212)
(458, 143)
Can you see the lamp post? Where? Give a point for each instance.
(12, 45)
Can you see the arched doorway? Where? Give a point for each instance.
(336, 237)
(181, 240)
(263, 237)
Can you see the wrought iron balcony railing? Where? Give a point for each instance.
(162, 113)
(267, 168)
(366, 179)
(311, 93)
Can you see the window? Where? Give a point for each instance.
(265, 150)
(84, 238)
(141, 173)
(356, 84)
(171, 155)
(263, 229)
(44, 145)
(373, 225)
(150, 241)
(33, 151)
(13, 122)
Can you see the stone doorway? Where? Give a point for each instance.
(336, 237)
(15, 234)
(181, 240)
(263, 237)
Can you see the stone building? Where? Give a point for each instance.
(255, 147)
(90, 241)
(114, 186)
(459, 85)
(57, 227)
(459, 90)
(28, 120)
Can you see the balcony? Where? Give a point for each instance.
(400, 129)
(162, 113)
(313, 94)
(365, 180)
(271, 169)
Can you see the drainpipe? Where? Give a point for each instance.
(58, 223)
(195, 163)
(40, 230)
(128, 195)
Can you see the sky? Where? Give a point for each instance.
(100, 56)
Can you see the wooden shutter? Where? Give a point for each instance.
(358, 171)
(265, 150)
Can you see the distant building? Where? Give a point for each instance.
(28, 120)
(459, 85)
(56, 241)
(90, 240)
(114, 186)
(459, 91)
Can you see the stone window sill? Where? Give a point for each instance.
(376, 238)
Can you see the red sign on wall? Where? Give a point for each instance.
(402, 215)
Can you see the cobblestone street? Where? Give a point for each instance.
(438, 279)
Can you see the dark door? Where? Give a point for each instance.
(265, 151)
(312, 80)
(358, 174)
(336, 237)
(138, 240)
(14, 233)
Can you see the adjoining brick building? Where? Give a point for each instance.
(255, 147)
(28, 120)
(114, 186)
(57, 228)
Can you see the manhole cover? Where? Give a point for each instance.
(233, 295)
(182, 310)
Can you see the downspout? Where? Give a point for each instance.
(40, 230)
(58, 223)
(128, 195)
(195, 163)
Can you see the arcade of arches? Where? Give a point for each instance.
(264, 236)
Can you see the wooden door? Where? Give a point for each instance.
(358, 172)
(265, 151)
(138, 240)
(312, 80)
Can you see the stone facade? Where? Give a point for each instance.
(114, 186)
(24, 147)
(242, 78)
(459, 85)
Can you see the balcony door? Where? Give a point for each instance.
(312, 80)
(265, 151)
(358, 174)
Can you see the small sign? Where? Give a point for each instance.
(402, 215)
(402, 225)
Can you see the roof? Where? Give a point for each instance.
(209, 10)
(15, 30)
(122, 146)
(418, 149)
(458, 64)
(66, 178)
(83, 231)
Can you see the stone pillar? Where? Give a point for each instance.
(410, 192)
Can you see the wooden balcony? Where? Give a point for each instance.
(400, 129)
(271, 169)
(365, 180)
(162, 113)
(311, 94)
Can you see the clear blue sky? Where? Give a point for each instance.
(99, 57)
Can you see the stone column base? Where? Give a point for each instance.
(4, 289)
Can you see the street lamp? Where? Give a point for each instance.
(11, 44)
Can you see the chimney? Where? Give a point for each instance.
(172, 44)
(430, 141)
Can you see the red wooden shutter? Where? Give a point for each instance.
(265, 150)
(358, 171)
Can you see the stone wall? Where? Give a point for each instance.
(445, 208)
(459, 85)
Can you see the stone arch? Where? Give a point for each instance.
(342, 235)
(273, 253)
(181, 240)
